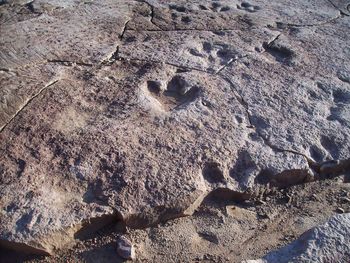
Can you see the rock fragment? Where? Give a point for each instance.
(340, 210)
(125, 248)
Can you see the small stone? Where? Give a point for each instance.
(340, 210)
(125, 248)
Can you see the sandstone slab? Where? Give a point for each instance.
(110, 110)
(100, 143)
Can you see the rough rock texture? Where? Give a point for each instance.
(107, 147)
(137, 110)
(326, 243)
(221, 230)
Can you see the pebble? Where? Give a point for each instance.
(340, 210)
(125, 248)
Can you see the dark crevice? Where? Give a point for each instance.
(93, 225)
(317, 24)
(226, 194)
(124, 29)
(322, 170)
(291, 25)
(185, 30)
(115, 54)
(278, 149)
(281, 53)
(21, 247)
(69, 63)
(151, 11)
(31, 8)
(332, 168)
(269, 44)
(21, 166)
(185, 68)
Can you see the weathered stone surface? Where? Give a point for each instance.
(52, 31)
(136, 111)
(78, 31)
(219, 15)
(81, 140)
(202, 50)
(222, 38)
(21, 86)
(329, 242)
(298, 93)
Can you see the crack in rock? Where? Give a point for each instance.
(125, 27)
(69, 63)
(27, 102)
(151, 11)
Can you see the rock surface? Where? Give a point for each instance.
(221, 230)
(326, 243)
(135, 111)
